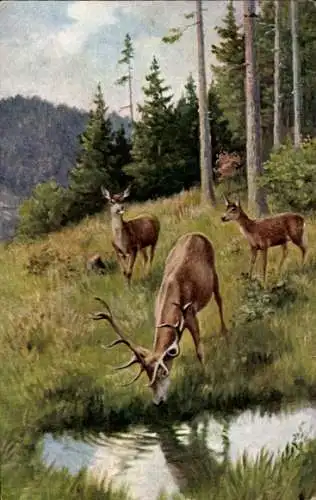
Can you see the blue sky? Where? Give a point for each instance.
(59, 50)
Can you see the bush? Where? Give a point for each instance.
(43, 212)
(290, 177)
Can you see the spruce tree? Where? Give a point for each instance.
(95, 163)
(187, 116)
(155, 154)
(222, 139)
(230, 73)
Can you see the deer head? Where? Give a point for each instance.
(156, 366)
(233, 210)
(116, 200)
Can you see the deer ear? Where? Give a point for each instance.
(126, 192)
(226, 201)
(106, 193)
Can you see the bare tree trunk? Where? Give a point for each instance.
(256, 196)
(130, 95)
(296, 74)
(207, 189)
(276, 122)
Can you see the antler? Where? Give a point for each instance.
(175, 347)
(137, 358)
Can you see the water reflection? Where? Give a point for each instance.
(176, 458)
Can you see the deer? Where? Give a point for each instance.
(188, 283)
(272, 231)
(131, 236)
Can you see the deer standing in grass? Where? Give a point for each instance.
(131, 236)
(188, 283)
(272, 231)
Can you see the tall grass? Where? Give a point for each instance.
(54, 373)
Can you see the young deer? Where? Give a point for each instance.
(131, 236)
(269, 232)
(188, 283)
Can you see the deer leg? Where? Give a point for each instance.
(152, 253)
(192, 325)
(302, 244)
(264, 263)
(253, 258)
(146, 261)
(130, 265)
(120, 257)
(284, 255)
(218, 299)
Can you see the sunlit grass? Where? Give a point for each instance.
(55, 374)
(46, 296)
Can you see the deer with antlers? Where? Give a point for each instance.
(131, 236)
(269, 232)
(188, 283)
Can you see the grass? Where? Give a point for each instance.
(54, 373)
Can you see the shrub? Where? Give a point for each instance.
(290, 177)
(43, 212)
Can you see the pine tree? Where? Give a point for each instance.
(121, 156)
(95, 163)
(222, 139)
(154, 151)
(229, 74)
(187, 116)
(127, 57)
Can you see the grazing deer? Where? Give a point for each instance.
(131, 236)
(269, 232)
(188, 282)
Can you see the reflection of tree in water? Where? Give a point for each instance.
(193, 464)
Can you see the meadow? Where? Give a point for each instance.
(55, 374)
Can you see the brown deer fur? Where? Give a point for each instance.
(272, 231)
(188, 283)
(131, 236)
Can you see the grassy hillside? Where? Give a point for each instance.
(54, 373)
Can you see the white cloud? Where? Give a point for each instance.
(62, 57)
(89, 18)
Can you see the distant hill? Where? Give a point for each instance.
(38, 141)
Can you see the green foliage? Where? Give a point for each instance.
(43, 212)
(94, 166)
(290, 176)
(174, 35)
(258, 302)
(101, 158)
(55, 375)
(229, 74)
(222, 137)
(158, 165)
(187, 132)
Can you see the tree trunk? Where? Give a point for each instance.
(296, 74)
(207, 189)
(276, 121)
(130, 95)
(256, 196)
